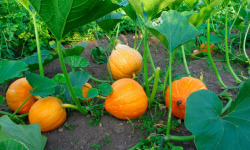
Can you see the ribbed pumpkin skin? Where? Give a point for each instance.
(48, 112)
(181, 89)
(17, 93)
(124, 61)
(85, 90)
(128, 100)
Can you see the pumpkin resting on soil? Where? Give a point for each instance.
(128, 99)
(124, 62)
(17, 93)
(181, 89)
(85, 88)
(48, 112)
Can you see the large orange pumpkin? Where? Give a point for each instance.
(124, 62)
(181, 89)
(85, 88)
(17, 93)
(48, 112)
(128, 99)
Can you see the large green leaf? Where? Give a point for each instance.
(11, 69)
(62, 16)
(20, 137)
(76, 62)
(175, 5)
(129, 10)
(108, 22)
(93, 92)
(212, 130)
(105, 89)
(42, 86)
(151, 7)
(25, 4)
(191, 3)
(172, 29)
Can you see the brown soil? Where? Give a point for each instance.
(121, 134)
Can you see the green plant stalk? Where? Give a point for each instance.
(149, 79)
(69, 85)
(9, 114)
(227, 105)
(170, 95)
(38, 46)
(21, 106)
(184, 60)
(244, 44)
(139, 45)
(150, 58)
(179, 138)
(226, 51)
(69, 106)
(135, 36)
(155, 85)
(98, 80)
(101, 97)
(210, 57)
(234, 18)
(166, 77)
(145, 64)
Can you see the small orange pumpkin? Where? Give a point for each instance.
(48, 112)
(181, 89)
(85, 88)
(17, 93)
(125, 62)
(203, 47)
(128, 99)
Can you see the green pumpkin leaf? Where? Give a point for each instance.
(105, 89)
(175, 5)
(212, 130)
(172, 29)
(129, 10)
(25, 4)
(12, 69)
(76, 62)
(213, 39)
(98, 55)
(63, 16)
(108, 22)
(42, 86)
(93, 92)
(17, 137)
(191, 3)
(150, 7)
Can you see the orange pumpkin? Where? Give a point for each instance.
(203, 47)
(128, 99)
(17, 93)
(124, 62)
(48, 112)
(85, 88)
(181, 89)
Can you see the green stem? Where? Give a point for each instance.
(234, 18)
(145, 64)
(184, 60)
(10, 114)
(101, 97)
(210, 57)
(227, 105)
(155, 85)
(244, 44)
(38, 46)
(5, 113)
(139, 45)
(21, 106)
(149, 79)
(98, 80)
(170, 95)
(166, 77)
(226, 50)
(69, 106)
(135, 35)
(179, 138)
(69, 85)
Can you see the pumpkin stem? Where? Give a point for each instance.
(179, 102)
(133, 76)
(101, 97)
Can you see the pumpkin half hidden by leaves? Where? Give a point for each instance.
(85, 88)
(181, 89)
(124, 62)
(203, 47)
(17, 93)
(128, 99)
(48, 112)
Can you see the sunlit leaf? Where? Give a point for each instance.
(76, 62)
(11, 69)
(62, 16)
(172, 29)
(108, 22)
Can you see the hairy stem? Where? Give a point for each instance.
(69, 85)
(38, 46)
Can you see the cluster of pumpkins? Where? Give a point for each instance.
(127, 101)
